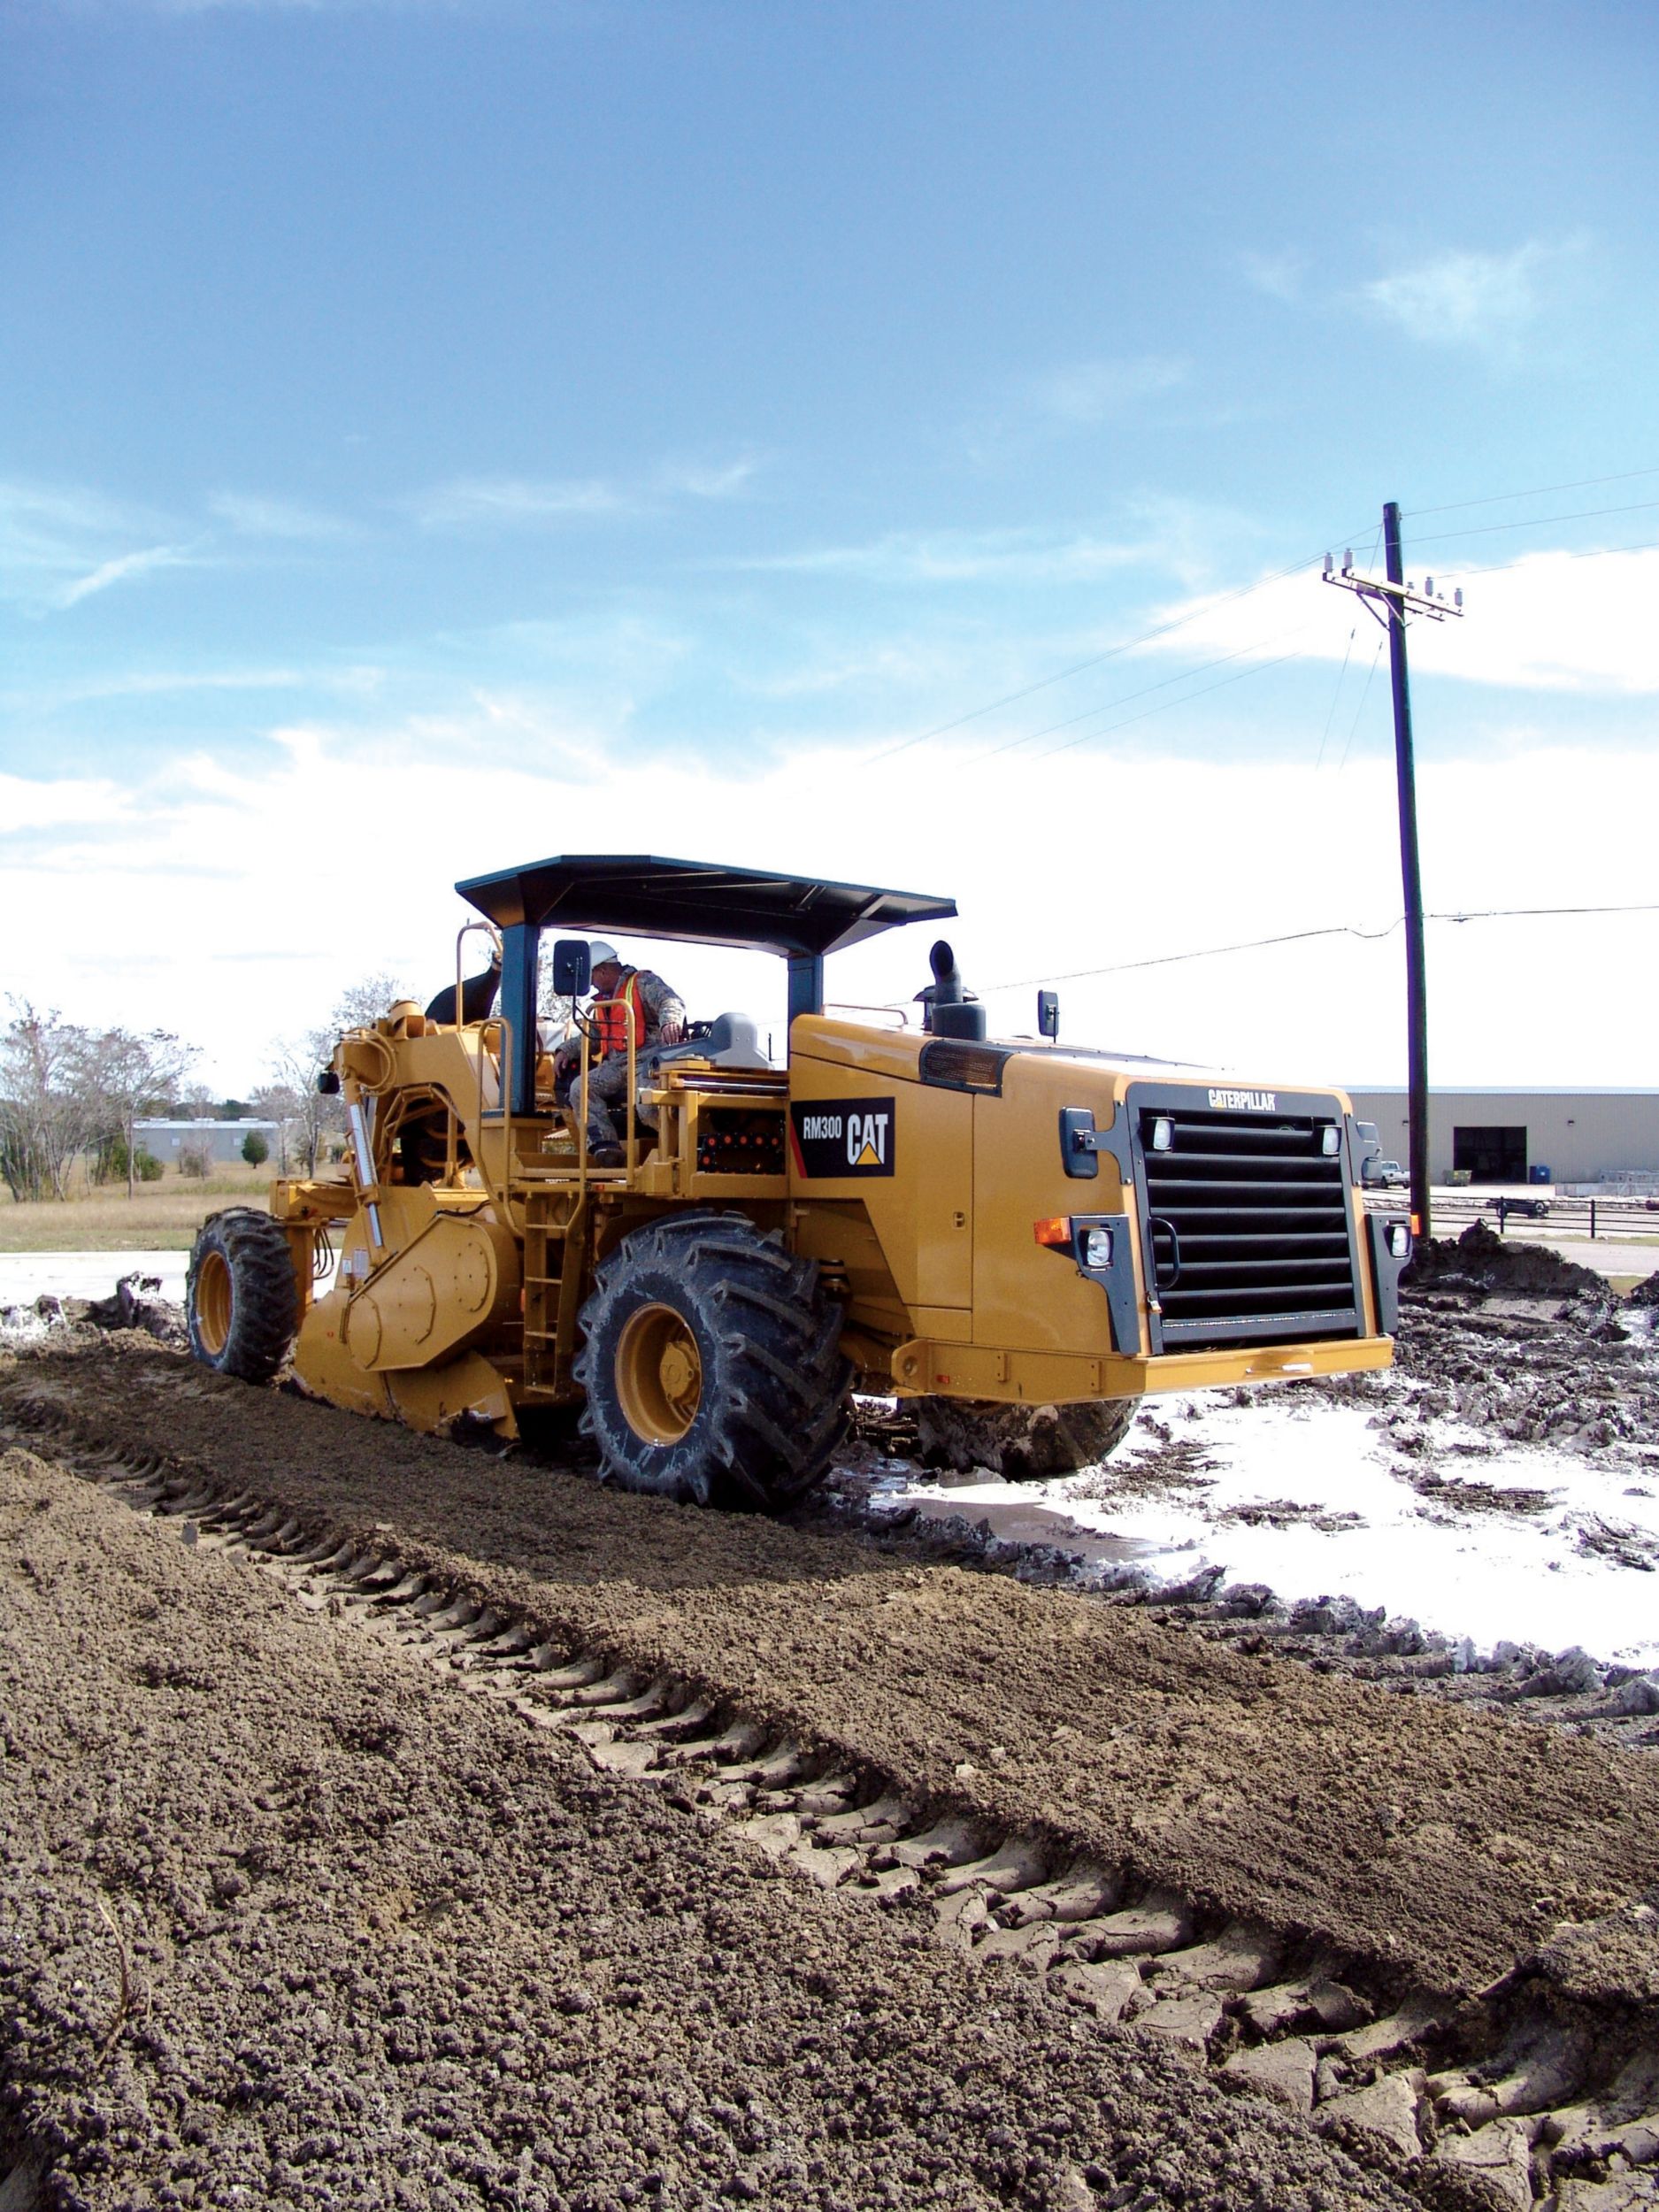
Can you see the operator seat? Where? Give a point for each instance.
(732, 1040)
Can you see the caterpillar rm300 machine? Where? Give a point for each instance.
(984, 1225)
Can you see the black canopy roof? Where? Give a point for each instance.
(695, 902)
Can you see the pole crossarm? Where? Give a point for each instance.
(1405, 597)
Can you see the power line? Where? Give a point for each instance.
(1539, 491)
(1205, 952)
(1334, 929)
(1112, 652)
(1376, 662)
(1341, 678)
(1088, 714)
(1538, 522)
(1589, 553)
(1520, 913)
(1258, 668)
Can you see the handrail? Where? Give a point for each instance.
(503, 1065)
(857, 1006)
(452, 1141)
(630, 1138)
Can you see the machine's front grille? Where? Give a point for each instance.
(1246, 1226)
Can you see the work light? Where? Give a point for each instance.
(1097, 1247)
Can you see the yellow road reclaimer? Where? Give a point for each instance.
(988, 1226)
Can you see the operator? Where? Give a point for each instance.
(659, 1018)
(478, 994)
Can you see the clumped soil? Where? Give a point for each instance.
(287, 1919)
(1525, 1346)
(1403, 1828)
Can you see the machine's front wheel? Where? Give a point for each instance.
(239, 1295)
(713, 1365)
(1020, 1443)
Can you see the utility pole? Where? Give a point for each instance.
(1389, 600)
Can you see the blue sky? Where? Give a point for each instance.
(657, 414)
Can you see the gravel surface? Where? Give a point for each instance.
(287, 1919)
(1405, 1829)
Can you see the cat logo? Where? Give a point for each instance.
(843, 1137)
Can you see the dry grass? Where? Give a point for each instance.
(161, 1216)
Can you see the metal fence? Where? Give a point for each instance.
(1584, 1219)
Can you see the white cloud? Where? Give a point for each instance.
(1088, 392)
(28, 803)
(122, 569)
(1022, 557)
(473, 500)
(1553, 621)
(521, 501)
(61, 544)
(1279, 275)
(1461, 298)
(689, 481)
(1259, 847)
(254, 516)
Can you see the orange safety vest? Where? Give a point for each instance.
(610, 1032)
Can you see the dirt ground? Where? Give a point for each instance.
(1445, 1840)
(285, 1920)
(287, 1917)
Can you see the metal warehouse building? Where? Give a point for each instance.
(1508, 1136)
(221, 1141)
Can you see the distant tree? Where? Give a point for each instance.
(193, 1101)
(283, 1104)
(109, 1162)
(367, 1000)
(196, 1161)
(255, 1150)
(131, 1075)
(48, 1110)
(233, 1109)
(295, 1068)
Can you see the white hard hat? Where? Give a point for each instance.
(599, 952)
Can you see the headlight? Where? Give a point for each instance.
(1163, 1134)
(1097, 1247)
(1399, 1239)
(1331, 1141)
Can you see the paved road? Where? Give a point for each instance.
(24, 1275)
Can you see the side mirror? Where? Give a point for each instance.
(328, 1083)
(573, 970)
(1049, 1014)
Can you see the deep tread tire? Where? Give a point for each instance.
(1020, 1443)
(772, 1405)
(240, 1297)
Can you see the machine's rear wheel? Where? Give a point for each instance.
(240, 1294)
(1020, 1443)
(712, 1365)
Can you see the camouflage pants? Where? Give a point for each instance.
(607, 1089)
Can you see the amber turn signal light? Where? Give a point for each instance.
(1055, 1229)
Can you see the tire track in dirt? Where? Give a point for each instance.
(284, 1920)
(1492, 2119)
(1400, 1830)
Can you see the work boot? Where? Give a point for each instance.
(607, 1156)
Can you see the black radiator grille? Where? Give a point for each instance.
(1247, 1226)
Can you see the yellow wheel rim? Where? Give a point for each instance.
(659, 1374)
(214, 1299)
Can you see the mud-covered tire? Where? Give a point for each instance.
(1019, 1443)
(712, 1365)
(240, 1298)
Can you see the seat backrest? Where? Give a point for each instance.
(733, 1042)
